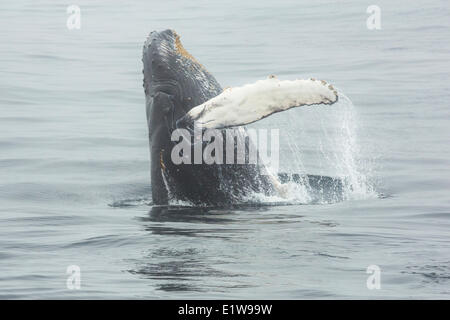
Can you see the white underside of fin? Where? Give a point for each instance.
(243, 105)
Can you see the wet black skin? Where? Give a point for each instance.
(174, 83)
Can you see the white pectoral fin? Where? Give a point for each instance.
(252, 102)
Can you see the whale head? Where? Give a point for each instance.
(174, 83)
(170, 69)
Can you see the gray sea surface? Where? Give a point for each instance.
(75, 169)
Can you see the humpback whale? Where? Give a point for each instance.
(180, 93)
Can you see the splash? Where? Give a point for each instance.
(324, 162)
(134, 202)
(334, 152)
(355, 170)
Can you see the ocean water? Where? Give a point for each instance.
(74, 160)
